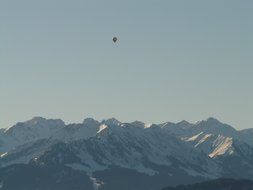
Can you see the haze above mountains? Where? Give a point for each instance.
(157, 155)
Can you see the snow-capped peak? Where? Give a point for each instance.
(30, 131)
(37, 123)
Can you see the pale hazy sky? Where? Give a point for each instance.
(174, 60)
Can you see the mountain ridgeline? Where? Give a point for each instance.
(218, 184)
(47, 154)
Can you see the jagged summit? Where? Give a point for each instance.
(209, 122)
(184, 122)
(214, 126)
(35, 121)
(212, 121)
(111, 122)
(90, 122)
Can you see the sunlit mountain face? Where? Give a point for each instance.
(108, 155)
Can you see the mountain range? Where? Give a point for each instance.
(218, 184)
(45, 154)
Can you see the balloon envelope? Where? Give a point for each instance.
(114, 39)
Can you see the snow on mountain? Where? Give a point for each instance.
(29, 131)
(71, 132)
(24, 153)
(141, 124)
(209, 126)
(209, 136)
(142, 150)
(111, 122)
(212, 145)
(206, 149)
(45, 133)
(215, 127)
(223, 145)
(231, 148)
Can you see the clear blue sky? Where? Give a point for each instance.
(174, 60)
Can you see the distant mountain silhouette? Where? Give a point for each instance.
(219, 184)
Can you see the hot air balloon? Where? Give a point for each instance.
(114, 39)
